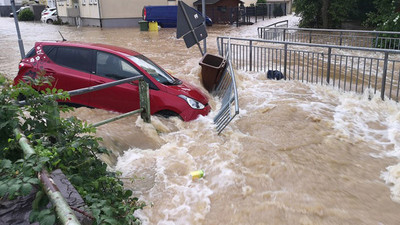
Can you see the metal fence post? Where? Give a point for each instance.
(385, 66)
(328, 72)
(310, 36)
(222, 47)
(251, 55)
(284, 34)
(144, 100)
(237, 17)
(341, 38)
(255, 12)
(285, 63)
(376, 40)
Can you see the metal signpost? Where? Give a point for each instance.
(20, 43)
(203, 8)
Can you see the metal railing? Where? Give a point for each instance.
(355, 38)
(227, 91)
(347, 68)
(265, 33)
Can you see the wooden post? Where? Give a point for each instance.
(144, 100)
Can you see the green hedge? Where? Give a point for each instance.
(26, 15)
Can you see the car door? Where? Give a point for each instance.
(71, 68)
(121, 98)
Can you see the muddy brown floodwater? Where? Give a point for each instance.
(296, 154)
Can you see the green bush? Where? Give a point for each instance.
(59, 143)
(26, 15)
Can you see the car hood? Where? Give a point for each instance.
(189, 91)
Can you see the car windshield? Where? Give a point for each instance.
(151, 68)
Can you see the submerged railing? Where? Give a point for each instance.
(355, 38)
(347, 68)
(227, 91)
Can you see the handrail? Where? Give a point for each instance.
(310, 44)
(339, 30)
(144, 98)
(275, 24)
(261, 30)
(361, 38)
(95, 87)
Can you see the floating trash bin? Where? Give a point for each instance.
(153, 26)
(144, 25)
(212, 67)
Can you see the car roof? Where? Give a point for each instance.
(95, 46)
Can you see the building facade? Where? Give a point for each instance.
(127, 13)
(107, 13)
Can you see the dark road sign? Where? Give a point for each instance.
(190, 25)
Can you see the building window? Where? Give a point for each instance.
(83, 2)
(94, 2)
(90, 2)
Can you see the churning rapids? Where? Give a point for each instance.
(296, 154)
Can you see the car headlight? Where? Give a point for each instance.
(193, 103)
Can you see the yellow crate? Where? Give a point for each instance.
(153, 26)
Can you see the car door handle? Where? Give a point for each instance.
(99, 81)
(50, 72)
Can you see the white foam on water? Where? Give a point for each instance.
(185, 150)
(365, 118)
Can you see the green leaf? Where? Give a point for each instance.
(108, 211)
(37, 201)
(5, 163)
(33, 180)
(110, 221)
(96, 213)
(13, 188)
(26, 189)
(3, 189)
(47, 220)
(44, 213)
(33, 216)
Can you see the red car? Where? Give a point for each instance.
(77, 65)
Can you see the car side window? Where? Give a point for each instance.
(114, 67)
(72, 57)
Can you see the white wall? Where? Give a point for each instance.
(8, 2)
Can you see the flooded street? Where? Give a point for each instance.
(296, 154)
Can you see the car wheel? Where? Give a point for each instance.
(49, 21)
(168, 114)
